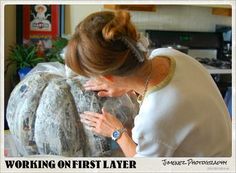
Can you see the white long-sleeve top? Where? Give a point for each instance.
(184, 115)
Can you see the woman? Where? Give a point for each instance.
(181, 112)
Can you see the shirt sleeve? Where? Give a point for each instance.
(153, 148)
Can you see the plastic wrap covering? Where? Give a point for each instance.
(43, 113)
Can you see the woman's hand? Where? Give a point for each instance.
(105, 87)
(102, 124)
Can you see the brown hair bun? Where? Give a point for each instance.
(120, 25)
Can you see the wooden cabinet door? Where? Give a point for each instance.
(131, 7)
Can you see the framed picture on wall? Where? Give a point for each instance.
(39, 24)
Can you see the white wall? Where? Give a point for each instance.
(184, 18)
(166, 17)
(76, 13)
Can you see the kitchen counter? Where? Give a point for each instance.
(214, 70)
(210, 69)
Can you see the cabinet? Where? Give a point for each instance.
(131, 7)
(222, 11)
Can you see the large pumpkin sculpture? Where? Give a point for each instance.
(43, 114)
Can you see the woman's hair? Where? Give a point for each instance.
(104, 43)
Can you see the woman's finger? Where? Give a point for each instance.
(91, 114)
(88, 122)
(101, 124)
(98, 118)
(112, 120)
(90, 128)
(104, 111)
(96, 87)
(91, 83)
(103, 94)
(89, 117)
(94, 81)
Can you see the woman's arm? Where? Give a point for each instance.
(105, 124)
(127, 145)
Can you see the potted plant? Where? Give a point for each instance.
(25, 57)
(55, 53)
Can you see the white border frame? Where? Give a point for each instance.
(143, 164)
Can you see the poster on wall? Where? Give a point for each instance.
(40, 18)
(40, 24)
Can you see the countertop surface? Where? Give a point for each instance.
(214, 70)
